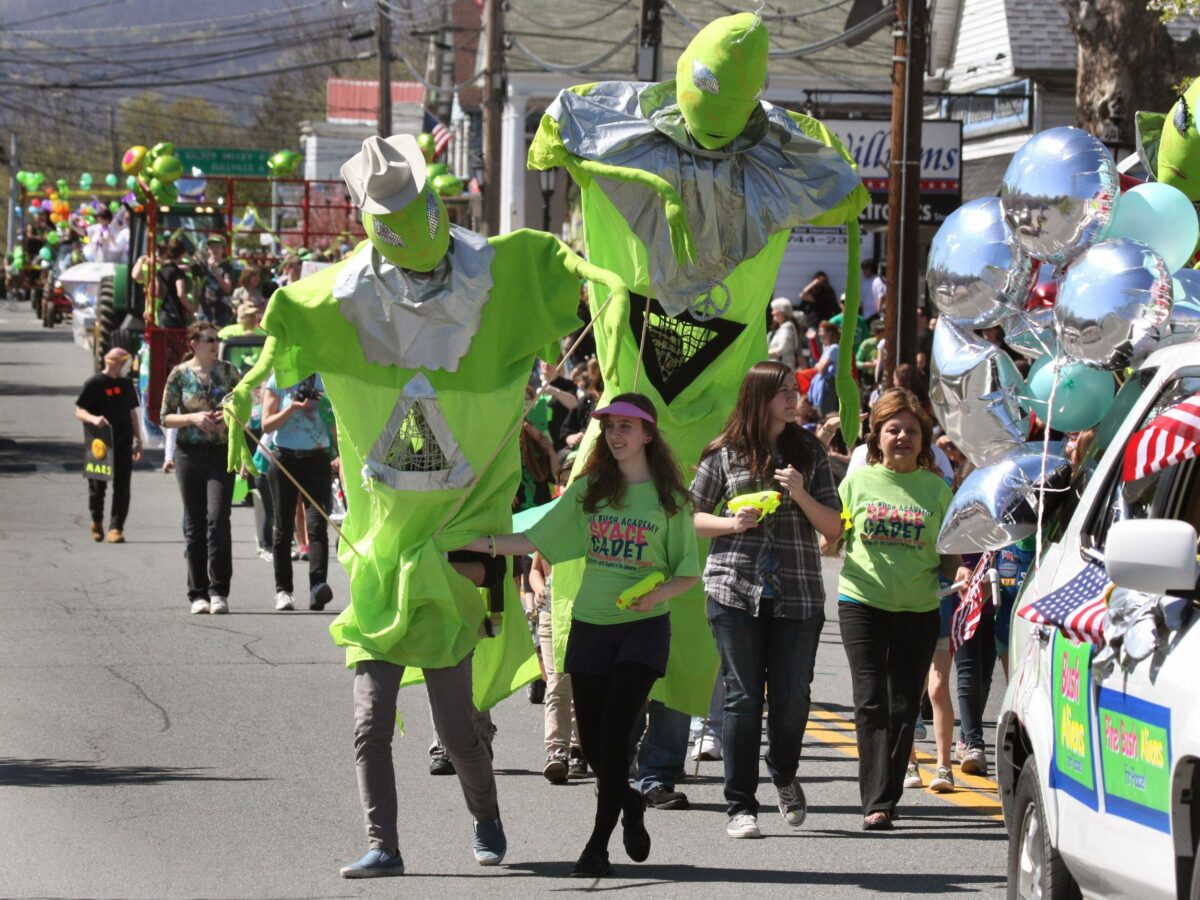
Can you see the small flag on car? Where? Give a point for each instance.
(1077, 608)
(1166, 441)
(966, 616)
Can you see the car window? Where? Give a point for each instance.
(1170, 493)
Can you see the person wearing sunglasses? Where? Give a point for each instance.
(192, 403)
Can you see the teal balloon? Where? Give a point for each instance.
(131, 182)
(85, 181)
(1161, 216)
(1083, 396)
(45, 254)
(110, 179)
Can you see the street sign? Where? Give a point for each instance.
(869, 143)
(224, 160)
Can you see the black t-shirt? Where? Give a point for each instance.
(558, 412)
(171, 313)
(113, 398)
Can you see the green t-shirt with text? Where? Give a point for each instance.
(620, 546)
(892, 522)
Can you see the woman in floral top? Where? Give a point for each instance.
(192, 403)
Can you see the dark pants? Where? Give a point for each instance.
(889, 655)
(122, 471)
(975, 661)
(206, 485)
(606, 707)
(311, 469)
(762, 653)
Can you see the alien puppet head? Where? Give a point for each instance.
(403, 215)
(1178, 162)
(720, 78)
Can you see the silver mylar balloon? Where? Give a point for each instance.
(997, 504)
(977, 271)
(1031, 333)
(1185, 307)
(1058, 193)
(974, 391)
(1113, 303)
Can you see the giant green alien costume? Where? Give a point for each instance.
(1169, 145)
(690, 189)
(425, 338)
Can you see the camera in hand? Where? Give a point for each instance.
(307, 390)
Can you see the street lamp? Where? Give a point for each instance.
(548, 181)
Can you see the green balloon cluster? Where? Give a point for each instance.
(283, 163)
(445, 182)
(85, 181)
(152, 173)
(31, 181)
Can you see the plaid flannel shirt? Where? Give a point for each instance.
(733, 575)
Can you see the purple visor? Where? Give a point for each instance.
(621, 408)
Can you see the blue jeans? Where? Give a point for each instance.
(661, 757)
(757, 653)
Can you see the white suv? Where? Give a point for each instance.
(1099, 764)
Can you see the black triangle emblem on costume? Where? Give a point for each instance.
(415, 447)
(678, 348)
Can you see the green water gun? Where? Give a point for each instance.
(766, 502)
(628, 596)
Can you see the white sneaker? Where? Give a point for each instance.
(743, 825)
(283, 601)
(199, 605)
(912, 777)
(708, 748)
(220, 606)
(266, 555)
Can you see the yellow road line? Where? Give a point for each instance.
(972, 792)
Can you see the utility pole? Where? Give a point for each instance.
(649, 56)
(493, 110)
(447, 65)
(383, 32)
(909, 33)
(112, 139)
(13, 194)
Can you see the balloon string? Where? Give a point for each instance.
(1041, 507)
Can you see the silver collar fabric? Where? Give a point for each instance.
(770, 178)
(417, 321)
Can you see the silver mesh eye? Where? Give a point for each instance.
(704, 79)
(761, 92)
(432, 216)
(387, 235)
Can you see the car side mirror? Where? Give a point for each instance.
(1154, 556)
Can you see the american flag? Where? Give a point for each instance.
(1170, 439)
(441, 134)
(1077, 608)
(966, 616)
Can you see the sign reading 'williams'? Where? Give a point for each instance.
(870, 144)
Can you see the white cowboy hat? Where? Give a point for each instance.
(386, 175)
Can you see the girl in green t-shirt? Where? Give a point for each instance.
(628, 515)
(888, 605)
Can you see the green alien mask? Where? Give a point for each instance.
(720, 78)
(415, 237)
(1178, 162)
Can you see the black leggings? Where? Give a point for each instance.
(606, 707)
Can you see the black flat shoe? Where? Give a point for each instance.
(592, 865)
(636, 838)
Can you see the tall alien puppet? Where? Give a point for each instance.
(690, 189)
(425, 338)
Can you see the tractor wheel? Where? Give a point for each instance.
(107, 322)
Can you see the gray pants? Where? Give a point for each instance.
(376, 684)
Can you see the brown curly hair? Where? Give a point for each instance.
(894, 402)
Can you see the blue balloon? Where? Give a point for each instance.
(1083, 396)
(1161, 216)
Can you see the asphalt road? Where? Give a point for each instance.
(146, 752)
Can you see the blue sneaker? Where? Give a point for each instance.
(378, 863)
(920, 733)
(490, 843)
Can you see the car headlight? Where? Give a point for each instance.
(82, 298)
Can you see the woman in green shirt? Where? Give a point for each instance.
(888, 605)
(629, 516)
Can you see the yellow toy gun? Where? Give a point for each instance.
(627, 597)
(766, 502)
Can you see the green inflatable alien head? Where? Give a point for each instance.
(404, 217)
(415, 237)
(720, 78)
(1178, 162)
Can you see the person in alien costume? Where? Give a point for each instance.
(425, 338)
(1169, 144)
(690, 189)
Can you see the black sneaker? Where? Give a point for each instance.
(319, 596)
(634, 835)
(591, 865)
(536, 691)
(662, 797)
(440, 764)
(577, 766)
